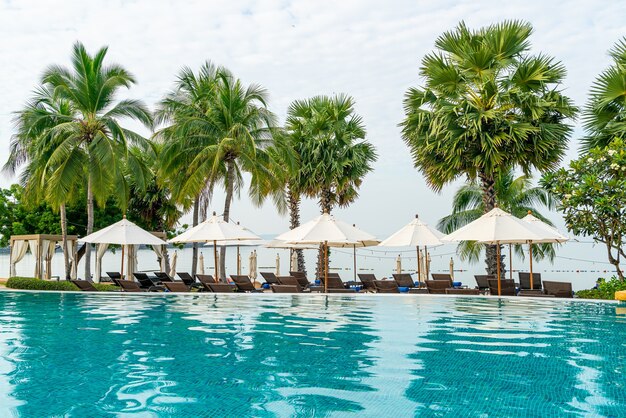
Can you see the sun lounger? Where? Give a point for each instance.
(221, 287)
(368, 281)
(533, 293)
(302, 279)
(344, 290)
(386, 286)
(188, 279)
(418, 291)
(205, 280)
(283, 288)
(482, 280)
(438, 287)
(507, 287)
(441, 276)
(404, 280)
(163, 277)
(334, 282)
(244, 284)
(269, 277)
(288, 281)
(454, 291)
(558, 289)
(145, 282)
(130, 286)
(524, 280)
(176, 286)
(84, 285)
(114, 276)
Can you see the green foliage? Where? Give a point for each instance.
(604, 116)
(605, 290)
(18, 216)
(592, 195)
(328, 139)
(30, 283)
(517, 196)
(486, 106)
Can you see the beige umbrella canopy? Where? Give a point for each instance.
(215, 230)
(124, 233)
(415, 234)
(327, 231)
(550, 235)
(496, 227)
(252, 267)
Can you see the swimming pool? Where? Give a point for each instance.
(309, 355)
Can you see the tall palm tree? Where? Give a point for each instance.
(92, 144)
(186, 113)
(514, 195)
(328, 138)
(487, 106)
(221, 129)
(604, 115)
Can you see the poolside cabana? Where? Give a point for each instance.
(42, 247)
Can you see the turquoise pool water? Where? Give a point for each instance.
(273, 355)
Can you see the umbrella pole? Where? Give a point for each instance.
(122, 268)
(217, 277)
(354, 249)
(530, 251)
(498, 263)
(326, 267)
(419, 272)
(510, 263)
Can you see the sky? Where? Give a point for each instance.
(368, 49)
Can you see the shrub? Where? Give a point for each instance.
(30, 283)
(606, 289)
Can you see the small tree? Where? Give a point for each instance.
(592, 194)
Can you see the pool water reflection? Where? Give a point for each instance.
(308, 355)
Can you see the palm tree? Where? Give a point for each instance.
(221, 129)
(604, 116)
(515, 195)
(92, 144)
(328, 138)
(487, 106)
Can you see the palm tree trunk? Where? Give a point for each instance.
(230, 174)
(294, 222)
(89, 227)
(194, 221)
(326, 207)
(487, 183)
(66, 258)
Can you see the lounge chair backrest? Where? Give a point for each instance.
(221, 287)
(302, 279)
(524, 280)
(186, 278)
(129, 286)
(507, 287)
(438, 287)
(205, 278)
(289, 281)
(243, 283)
(283, 288)
(482, 280)
(334, 282)
(386, 286)
(404, 280)
(163, 277)
(144, 280)
(176, 286)
(269, 277)
(453, 291)
(441, 276)
(334, 275)
(368, 280)
(558, 289)
(114, 275)
(84, 285)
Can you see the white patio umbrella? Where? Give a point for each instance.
(252, 266)
(173, 264)
(215, 230)
(277, 264)
(123, 233)
(327, 231)
(399, 264)
(496, 227)
(550, 235)
(294, 261)
(201, 263)
(415, 234)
